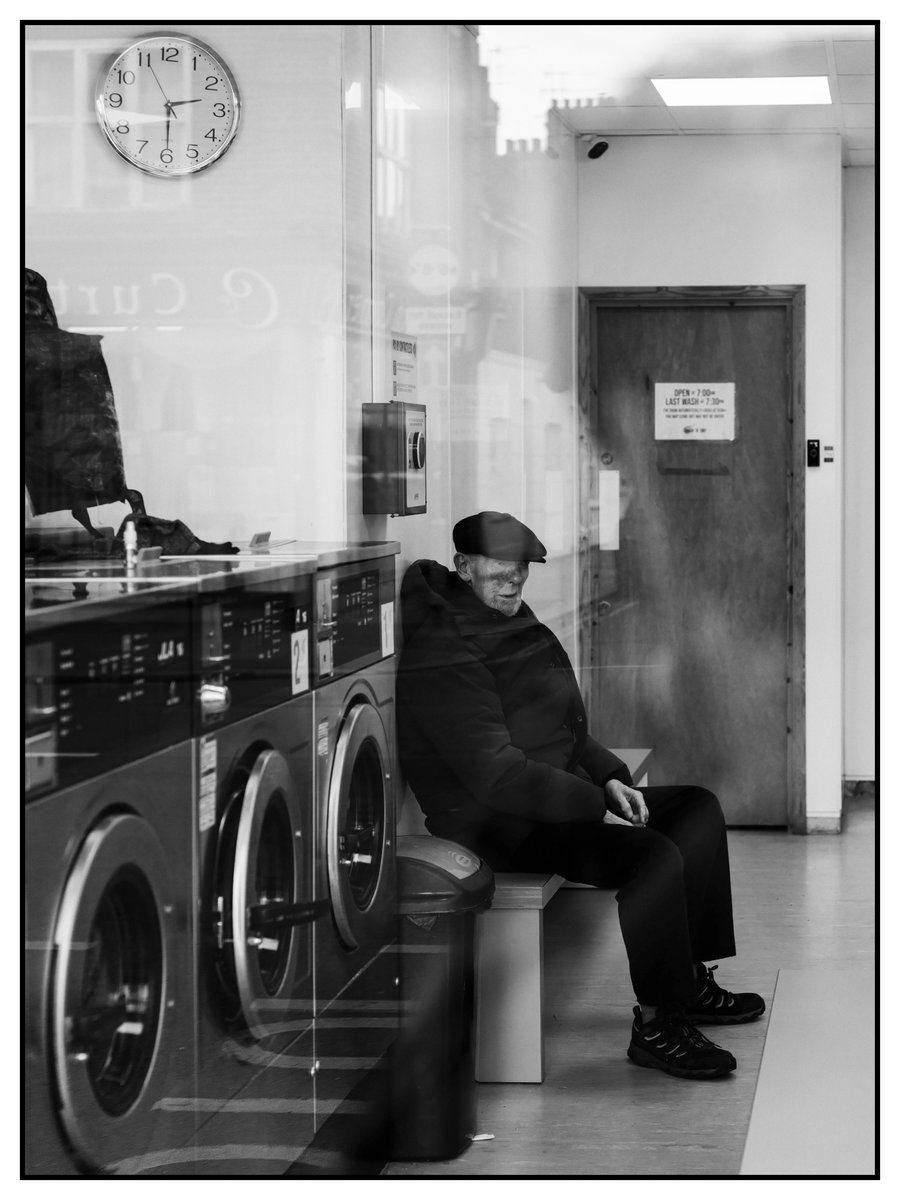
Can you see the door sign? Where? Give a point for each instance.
(694, 412)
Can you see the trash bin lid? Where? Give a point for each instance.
(437, 876)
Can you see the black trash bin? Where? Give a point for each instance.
(441, 886)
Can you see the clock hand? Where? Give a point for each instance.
(159, 85)
(174, 103)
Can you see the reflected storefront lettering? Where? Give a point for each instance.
(247, 296)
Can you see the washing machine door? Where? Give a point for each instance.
(271, 913)
(113, 990)
(358, 838)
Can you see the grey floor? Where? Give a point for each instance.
(802, 904)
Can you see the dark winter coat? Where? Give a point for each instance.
(491, 725)
(73, 450)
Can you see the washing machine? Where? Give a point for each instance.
(353, 667)
(355, 760)
(109, 998)
(254, 792)
(245, 778)
(356, 973)
(339, 1025)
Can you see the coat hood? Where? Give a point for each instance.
(425, 588)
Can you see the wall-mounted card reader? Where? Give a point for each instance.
(393, 437)
(813, 454)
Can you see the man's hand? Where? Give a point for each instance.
(625, 802)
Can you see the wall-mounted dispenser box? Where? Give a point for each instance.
(393, 439)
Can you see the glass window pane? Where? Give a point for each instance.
(50, 84)
(51, 166)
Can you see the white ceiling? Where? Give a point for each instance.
(598, 76)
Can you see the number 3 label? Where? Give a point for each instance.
(299, 662)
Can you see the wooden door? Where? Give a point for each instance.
(691, 597)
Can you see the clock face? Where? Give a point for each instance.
(169, 105)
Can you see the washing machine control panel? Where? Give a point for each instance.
(100, 693)
(253, 650)
(354, 624)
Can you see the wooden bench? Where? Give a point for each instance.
(509, 968)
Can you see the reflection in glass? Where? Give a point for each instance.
(247, 312)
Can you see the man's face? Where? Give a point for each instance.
(495, 582)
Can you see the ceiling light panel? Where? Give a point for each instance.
(768, 90)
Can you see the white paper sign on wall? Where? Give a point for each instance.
(694, 412)
(404, 367)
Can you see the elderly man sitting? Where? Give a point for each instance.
(494, 744)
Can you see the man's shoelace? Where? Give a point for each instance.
(710, 991)
(677, 1027)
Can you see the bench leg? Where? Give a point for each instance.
(509, 982)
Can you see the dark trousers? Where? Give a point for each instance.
(673, 881)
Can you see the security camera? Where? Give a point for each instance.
(597, 147)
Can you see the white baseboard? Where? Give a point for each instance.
(823, 824)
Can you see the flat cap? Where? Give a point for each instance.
(497, 535)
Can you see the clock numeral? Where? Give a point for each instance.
(219, 110)
(142, 144)
(125, 77)
(115, 100)
(211, 135)
(193, 150)
(212, 83)
(165, 156)
(122, 127)
(168, 53)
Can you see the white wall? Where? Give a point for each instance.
(750, 210)
(859, 473)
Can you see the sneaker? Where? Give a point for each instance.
(670, 1043)
(714, 1006)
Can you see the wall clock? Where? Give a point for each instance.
(168, 104)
